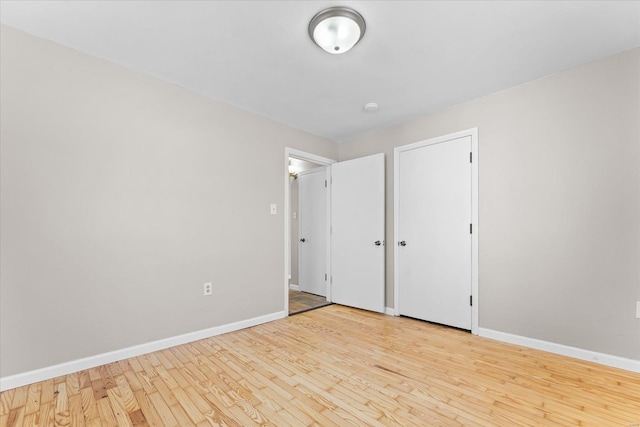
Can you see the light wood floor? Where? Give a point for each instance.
(335, 366)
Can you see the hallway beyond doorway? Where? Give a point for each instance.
(299, 301)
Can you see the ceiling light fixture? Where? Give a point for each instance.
(337, 29)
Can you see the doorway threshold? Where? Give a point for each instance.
(300, 302)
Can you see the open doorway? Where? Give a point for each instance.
(307, 232)
(354, 230)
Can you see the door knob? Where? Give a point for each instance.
(402, 243)
(377, 243)
(303, 240)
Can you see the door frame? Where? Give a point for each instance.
(323, 161)
(473, 133)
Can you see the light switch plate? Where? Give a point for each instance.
(274, 209)
(638, 310)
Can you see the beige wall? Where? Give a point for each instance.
(121, 195)
(559, 203)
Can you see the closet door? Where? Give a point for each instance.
(434, 217)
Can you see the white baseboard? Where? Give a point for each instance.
(565, 350)
(294, 287)
(43, 374)
(390, 311)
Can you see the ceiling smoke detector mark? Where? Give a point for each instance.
(370, 107)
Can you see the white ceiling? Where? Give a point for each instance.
(416, 56)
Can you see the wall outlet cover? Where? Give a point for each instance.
(208, 288)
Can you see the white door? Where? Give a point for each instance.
(357, 236)
(312, 220)
(434, 214)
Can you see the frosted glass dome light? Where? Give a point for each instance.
(337, 29)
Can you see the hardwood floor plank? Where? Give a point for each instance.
(166, 378)
(99, 390)
(6, 397)
(114, 369)
(16, 417)
(132, 380)
(118, 407)
(107, 379)
(217, 415)
(105, 410)
(217, 396)
(176, 378)
(157, 405)
(83, 379)
(126, 394)
(45, 416)
(165, 392)
(89, 406)
(188, 406)
(33, 399)
(181, 359)
(135, 365)
(94, 374)
(149, 412)
(171, 357)
(73, 384)
(61, 405)
(146, 382)
(147, 366)
(181, 416)
(138, 419)
(20, 396)
(76, 415)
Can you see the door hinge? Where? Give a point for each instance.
(471, 300)
(471, 157)
(325, 277)
(325, 183)
(470, 228)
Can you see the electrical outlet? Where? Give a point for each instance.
(208, 288)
